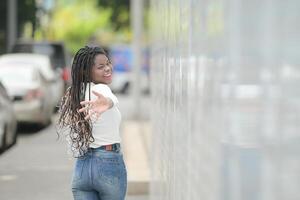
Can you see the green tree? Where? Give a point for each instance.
(120, 18)
(76, 22)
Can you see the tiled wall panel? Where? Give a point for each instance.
(225, 78)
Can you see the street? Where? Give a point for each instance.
(39, 167)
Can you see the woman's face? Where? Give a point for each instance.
(102, 70)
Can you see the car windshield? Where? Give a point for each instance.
(54, 51)
(37, 48)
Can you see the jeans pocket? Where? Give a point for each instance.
(111, 170)
(78, 169)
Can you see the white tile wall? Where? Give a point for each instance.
(225, 78)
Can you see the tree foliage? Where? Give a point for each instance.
(121, 11)
(78, 22)
(75, 23)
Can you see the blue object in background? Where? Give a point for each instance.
(121, 58)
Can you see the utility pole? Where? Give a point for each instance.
(11, 23)
(136, 11)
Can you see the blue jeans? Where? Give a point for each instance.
(100, 175)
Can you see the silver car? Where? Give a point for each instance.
(8, 134)
(43, 63)
(30, 92)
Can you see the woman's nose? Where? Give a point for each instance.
(107, 68)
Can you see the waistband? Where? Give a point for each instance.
(110, 147)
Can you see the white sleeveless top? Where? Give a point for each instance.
(106, 129)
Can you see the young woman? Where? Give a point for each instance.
(89, 111)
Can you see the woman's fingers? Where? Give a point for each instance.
(87, 116)
(83, 109)
(91, 114)
(92, 108)
(89, 111)
(85, 103)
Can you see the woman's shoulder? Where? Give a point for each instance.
(104, 90)
(101, 87)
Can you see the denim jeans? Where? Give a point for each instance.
(100, 175)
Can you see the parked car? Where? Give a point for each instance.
(8, 134)
(57, 52)
(30, 92)
(44, 64)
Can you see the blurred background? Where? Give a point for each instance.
(38, 39)
(208, 91)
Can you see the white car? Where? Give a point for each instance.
(42, 62)
(30, 92)
(8, 134)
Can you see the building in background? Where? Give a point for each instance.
(225, 78)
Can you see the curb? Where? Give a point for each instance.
(135, 148)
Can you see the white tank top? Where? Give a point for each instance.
(106, 129)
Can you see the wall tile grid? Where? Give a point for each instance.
(225, 82)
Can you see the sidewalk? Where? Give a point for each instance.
(136, 142)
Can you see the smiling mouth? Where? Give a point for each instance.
(107, 75)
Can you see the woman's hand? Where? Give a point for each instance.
(95, 108)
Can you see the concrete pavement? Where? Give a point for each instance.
(136, 141)
(136, 136)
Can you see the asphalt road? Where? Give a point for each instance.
(38, 167)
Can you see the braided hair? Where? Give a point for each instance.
(80, 130)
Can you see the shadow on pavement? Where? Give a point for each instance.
(24, 128)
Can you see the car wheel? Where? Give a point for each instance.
(4, 139)
(14, 141)
(15, 137)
